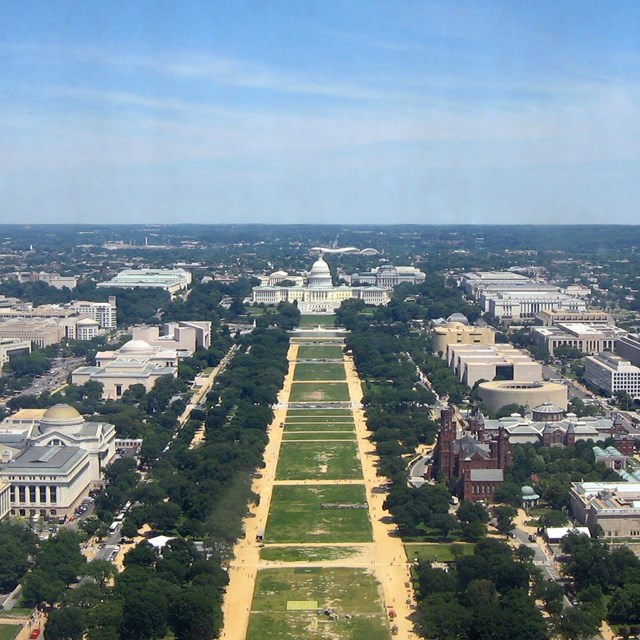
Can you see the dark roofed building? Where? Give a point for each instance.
(478, 465)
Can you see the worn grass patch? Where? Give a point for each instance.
(352, 592)
(308, 371)
(297, 436)
(317, 321)
(311, 426)
(327, 412)
(319, 352)
(436, 552)
(318, 461)
(319, 419)
(306, 554)
(319, 392)
(9, 631)
(297, 516)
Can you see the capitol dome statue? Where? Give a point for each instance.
(320, 274)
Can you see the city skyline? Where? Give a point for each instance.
(424, 113)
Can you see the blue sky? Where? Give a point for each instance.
(330, 112)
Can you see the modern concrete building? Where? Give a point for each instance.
(499, 394)
(136, 362)
(318, 294)
(611, 373)
(453, 333)
(171, 280)
(628, 347)
(610, 507)
(183, 336)
(474, 362)
(87, 329)
(11, 347)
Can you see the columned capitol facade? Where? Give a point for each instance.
(318, 294)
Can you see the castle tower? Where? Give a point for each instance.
(504, 459)
(446, 438)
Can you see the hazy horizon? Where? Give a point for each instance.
(358, 113)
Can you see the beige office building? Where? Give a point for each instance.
(584, 337)
(473, 362)
(452, 333)
(41, 333)
(613, 507)
(552, 317)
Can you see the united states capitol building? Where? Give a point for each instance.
(314, 292)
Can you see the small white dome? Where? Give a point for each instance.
(136, 347)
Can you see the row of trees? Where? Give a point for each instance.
(492, 594)
(606, 580)
(554, 469)
(199, 492)
(482, 596)
(397, 415)
(176, 591)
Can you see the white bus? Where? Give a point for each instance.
(114, 527)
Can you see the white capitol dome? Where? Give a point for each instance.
(320, 275)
